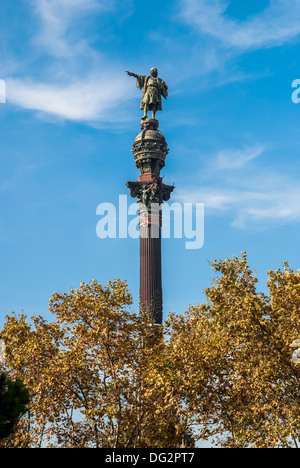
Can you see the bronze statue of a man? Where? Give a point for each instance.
(153, 89)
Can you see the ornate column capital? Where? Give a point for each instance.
(153, 191)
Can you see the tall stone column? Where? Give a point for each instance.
(150, 150)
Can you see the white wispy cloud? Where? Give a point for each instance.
(93, 98)
(249, 208)
(76, 81)
(249, 196)
(276, 25)
(235, 159)
(57, 20)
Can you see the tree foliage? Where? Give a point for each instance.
(102, 376)
(233, 358)
(91, 373)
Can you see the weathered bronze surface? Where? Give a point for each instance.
(153, 89)
(150, 148)
(150, 191)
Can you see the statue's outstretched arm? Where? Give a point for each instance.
(140, 79)
(132, 74)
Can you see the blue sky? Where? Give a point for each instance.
(71, 116)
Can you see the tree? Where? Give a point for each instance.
(13, 404)
(232, 357)
(92, 373)
(101, 376)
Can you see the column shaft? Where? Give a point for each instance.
(150, 270)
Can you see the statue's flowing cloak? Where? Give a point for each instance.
(153, 97)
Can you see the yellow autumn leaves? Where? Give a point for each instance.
(100, 376)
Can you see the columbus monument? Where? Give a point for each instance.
(150, 150)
